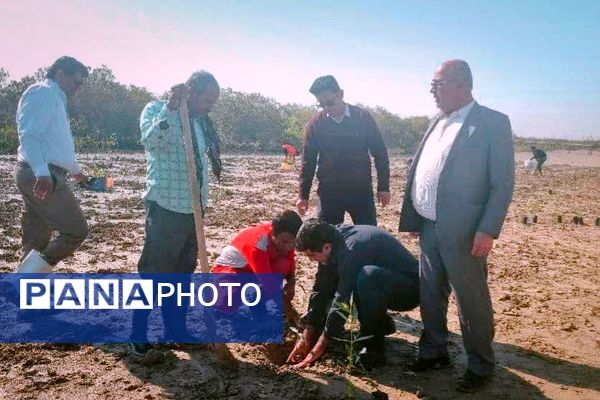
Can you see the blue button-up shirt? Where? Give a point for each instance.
(167, 181)
(44, 130)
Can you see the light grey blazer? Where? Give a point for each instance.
(476, 184)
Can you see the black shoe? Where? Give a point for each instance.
(370, 359)
(140, 349)
(471, 383)
(390, 325)
(423, 364)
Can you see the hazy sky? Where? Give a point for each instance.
(537, 61)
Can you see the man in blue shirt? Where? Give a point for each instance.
(171, 245)
(46, 158)
(361, 261)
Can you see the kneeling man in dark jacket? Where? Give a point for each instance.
(362, 261)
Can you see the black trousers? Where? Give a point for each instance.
(361, 207)
(379, 290)
(540, 162)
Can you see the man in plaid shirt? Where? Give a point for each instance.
(171, 245)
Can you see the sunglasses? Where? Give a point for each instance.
(327, 103)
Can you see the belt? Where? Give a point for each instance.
(55, 169)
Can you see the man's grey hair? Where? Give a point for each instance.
(201, 81)
(460, 70)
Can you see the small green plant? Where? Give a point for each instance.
(99, 171)
(352, 356)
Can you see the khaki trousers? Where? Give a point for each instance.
(59, 211)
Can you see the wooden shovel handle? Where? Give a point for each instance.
(194, 186)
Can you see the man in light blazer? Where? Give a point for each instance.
(458, 190)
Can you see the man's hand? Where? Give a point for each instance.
(42, 187)
(301, 348)
(315, 353)
(303, 345)
(482, 244)
(414, 235)
(302, 206)
(383, 198)
(177, 94)
(81, 178)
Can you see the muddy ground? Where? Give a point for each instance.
(544, 282)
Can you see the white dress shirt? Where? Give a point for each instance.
(346, 114)
(44, 130)
(432, 160)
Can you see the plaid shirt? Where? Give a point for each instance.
(166, 173)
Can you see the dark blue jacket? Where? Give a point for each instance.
(354, 247)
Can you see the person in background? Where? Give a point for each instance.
(539, 156)
(339, 141)
(46, 157)
(290, 153)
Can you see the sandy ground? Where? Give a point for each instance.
(543, 277)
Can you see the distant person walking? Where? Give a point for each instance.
(290, 153)
(46, 156)
(540, 157)
(338, 143)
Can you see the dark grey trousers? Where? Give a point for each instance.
(170, 247)
(441, 267)
(59, 211)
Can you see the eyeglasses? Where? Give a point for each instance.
(326, 103)
(438, 83)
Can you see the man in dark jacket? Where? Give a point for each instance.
(361, 261)
(539, 156)
(338, 143)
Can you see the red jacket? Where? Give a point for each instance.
(291, 150)
(252, 251)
